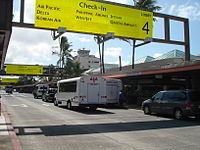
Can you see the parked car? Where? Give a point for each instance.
(9, 89)
(179, 103)
(39, 90)
(49, 95)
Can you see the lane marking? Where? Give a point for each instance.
(20, 105)
(46, 105)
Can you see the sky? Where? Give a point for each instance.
(31, 46)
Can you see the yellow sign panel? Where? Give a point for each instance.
(93, 17)
(24, 69)
(3, 85)
(9, 80)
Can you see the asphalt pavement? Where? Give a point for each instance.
(42, 126)
(8, 138)
(5, 140)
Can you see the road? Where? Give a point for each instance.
(42, 126)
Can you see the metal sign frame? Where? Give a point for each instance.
(167, 19)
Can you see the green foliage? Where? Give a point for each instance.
(67, 67)
(52, 70)
(24, 80)
(71, 69)
(149, 5)
(65, 50)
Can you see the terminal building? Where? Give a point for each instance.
(86, 60)
(167, 72)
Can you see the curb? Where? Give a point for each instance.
(14, 140)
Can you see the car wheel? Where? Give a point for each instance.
(197, 116)
(55, 103)
(178, 114)
(69, 105)
(93, 108)
(147, 110)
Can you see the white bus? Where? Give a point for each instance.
(88, 91)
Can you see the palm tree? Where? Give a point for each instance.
(98, 39)
(64, 54)
(65, 51)
(149, 5)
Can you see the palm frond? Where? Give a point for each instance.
(149, 5)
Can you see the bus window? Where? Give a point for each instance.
(68, 87)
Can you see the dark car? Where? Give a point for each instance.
(179, 103)
(49, 95)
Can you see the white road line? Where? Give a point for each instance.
(46, 105)
(20, 105)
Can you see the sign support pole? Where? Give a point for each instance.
(133, 55)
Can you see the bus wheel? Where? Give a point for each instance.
(69, 105)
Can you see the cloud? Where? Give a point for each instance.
(172, 9)
(83, 39)
(114, 52)
(23, 54)
(157, 55)
(120, 1)
(30, 47)
(188, 10)
(29, 11)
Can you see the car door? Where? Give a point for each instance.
(172, 100)
(155, 105)
(166, 102)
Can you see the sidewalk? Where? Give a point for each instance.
(8, 138)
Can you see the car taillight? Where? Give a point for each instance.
(82, 96)
(103, 96)
(187, 106)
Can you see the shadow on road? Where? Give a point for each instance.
(1, 124)
(87, 111)
(63, 130)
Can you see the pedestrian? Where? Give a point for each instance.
(121, 97)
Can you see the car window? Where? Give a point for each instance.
(157, 96)
(175, 96)
(195, 96)
(51, 91)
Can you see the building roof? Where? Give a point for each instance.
(175, 54)
(144, 59)
(171, 54)
(172, 59)
(97, 70)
